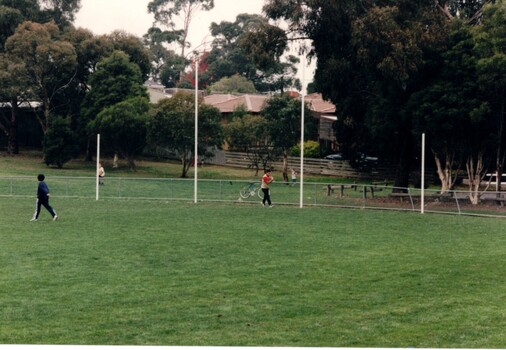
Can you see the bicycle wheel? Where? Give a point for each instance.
(245, 192)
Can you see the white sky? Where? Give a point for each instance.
(105, 16)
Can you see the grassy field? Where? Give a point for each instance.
(30, 164)
(160, 272)
(136, 272)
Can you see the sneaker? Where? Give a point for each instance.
(270, 206)
(33, 219)
(263, 204)
(55, 218)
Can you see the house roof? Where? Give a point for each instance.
(319, 105)
(158, 92)
(227, 103)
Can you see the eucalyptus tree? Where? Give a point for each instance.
(62, 12)
(164, 12)
(172, 128)
(15, 86)
(234, 84)
(134, 48)
(250, 134)
(237, 49)
(115, 80)
(163, 60)
(124, 127)
(283, 114)
(443, 110)
(371, 58)
(10, 18)
(45, 61)
(490, 49)
(60, 142)
(227, 57)
(11, 91)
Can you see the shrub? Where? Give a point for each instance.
(59, 142)
(311, 150)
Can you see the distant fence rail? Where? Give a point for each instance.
(337, 168)
(344, 195)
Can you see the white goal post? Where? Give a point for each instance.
(98, 166)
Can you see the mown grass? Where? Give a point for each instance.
(139, 272)
(175, 273)
(30, 163)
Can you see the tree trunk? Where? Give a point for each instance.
(186, 161)
(285, 166)
(115, 161)
(445, 173)
(475, 174)
(12, 140)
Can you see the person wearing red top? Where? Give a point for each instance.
(267, 179)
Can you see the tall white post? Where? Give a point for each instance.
(98, 162)
(195, 153)
(301, 204)
(302, 107)
(422, 202)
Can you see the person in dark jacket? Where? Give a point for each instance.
(43, 199)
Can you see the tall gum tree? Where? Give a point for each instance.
(490, 49)
(47, 63)
(165, 11)
(115, 80)
(12, 14)
(172, 128)
(371, 58)
(283, 114)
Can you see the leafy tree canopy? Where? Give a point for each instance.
(239, 47)
(172, 127)
(165, 11)
(115, 80)
(123, 127)
(46, 62)
(234, 84)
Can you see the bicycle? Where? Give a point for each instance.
(250, 191)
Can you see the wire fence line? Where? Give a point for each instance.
(344, 195)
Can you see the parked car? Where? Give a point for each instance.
(360, 157)
(336, 156)
(366, 158)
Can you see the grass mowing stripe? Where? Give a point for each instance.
(155, 273)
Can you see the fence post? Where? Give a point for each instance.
(455, 195)
(411, 199)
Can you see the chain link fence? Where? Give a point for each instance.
(345, 195)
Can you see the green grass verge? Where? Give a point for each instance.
(138, 272)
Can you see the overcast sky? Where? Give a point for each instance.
(104, 16)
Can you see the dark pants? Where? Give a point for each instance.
(267, 196)
(46, 205)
